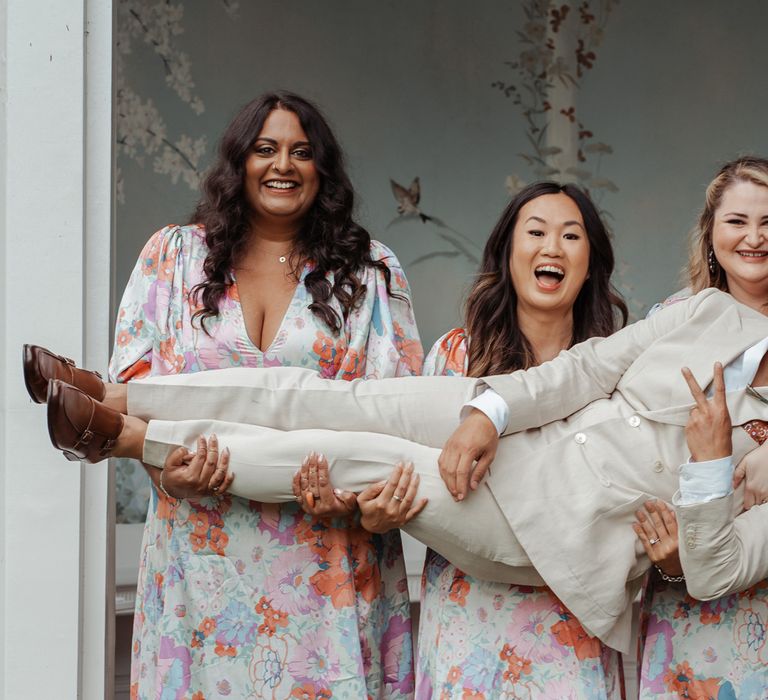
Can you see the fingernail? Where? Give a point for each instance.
(409, 466)
(460, 497)
(321, 457)
(296, 473)
(305, 462)
(226, 451)
(338, 492)
(213, 436)
(310, 499)
(473, 485)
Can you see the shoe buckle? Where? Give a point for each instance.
(68, 361)
(85, 438)
(107, 447)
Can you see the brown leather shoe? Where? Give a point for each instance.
(41, 365)
(82, 428)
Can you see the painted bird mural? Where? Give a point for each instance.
(408, 199)
(408, 208)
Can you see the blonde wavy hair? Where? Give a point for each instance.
(697, 273)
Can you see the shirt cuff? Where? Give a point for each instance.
(701, 482)
(494, 407)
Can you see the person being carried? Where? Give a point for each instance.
(589, 437)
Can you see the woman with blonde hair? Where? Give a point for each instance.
(716, 648)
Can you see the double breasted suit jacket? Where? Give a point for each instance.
(571, 499)
(592, 434)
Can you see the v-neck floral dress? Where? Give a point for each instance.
(483, 640)
(250, 600)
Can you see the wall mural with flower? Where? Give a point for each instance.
(476, 99)
(558, 47)
(143, 134)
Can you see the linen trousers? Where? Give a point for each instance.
(271, 420)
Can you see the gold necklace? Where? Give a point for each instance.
(282, 259)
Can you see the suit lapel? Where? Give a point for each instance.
(742, 408)
(730, 335)
(725, 340)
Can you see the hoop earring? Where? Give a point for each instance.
(712, 260)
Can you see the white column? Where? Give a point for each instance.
(55, 233)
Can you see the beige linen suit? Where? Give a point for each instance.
(592, 434)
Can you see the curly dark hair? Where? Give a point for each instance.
(497, 344)
(329, 236)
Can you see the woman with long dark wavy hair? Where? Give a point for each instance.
(543, 286)
(241, 598)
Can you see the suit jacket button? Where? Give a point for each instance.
(690, 543)
(634, 421)
(658, 467)
(580, 438)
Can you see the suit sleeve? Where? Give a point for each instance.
(587, 372)
(721, 554)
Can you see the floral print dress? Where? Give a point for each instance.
(704, 650)
(482, 640)
(249, 600)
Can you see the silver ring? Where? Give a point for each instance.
(654, 541)
(397, 498)
(214, 488)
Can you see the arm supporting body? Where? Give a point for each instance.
(473, 534)
(720, 553)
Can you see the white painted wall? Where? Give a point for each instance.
(3, 389)
(55, 232)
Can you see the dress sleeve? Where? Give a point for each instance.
(383, 340)
(448, 356)
(143, 315)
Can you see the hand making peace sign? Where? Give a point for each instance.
(708, 431)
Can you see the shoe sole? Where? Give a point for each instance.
(54, 406)
(27, 359)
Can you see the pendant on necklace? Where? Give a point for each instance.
(282, 258)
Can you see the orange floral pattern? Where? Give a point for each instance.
(246, 599)
(479, 639)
